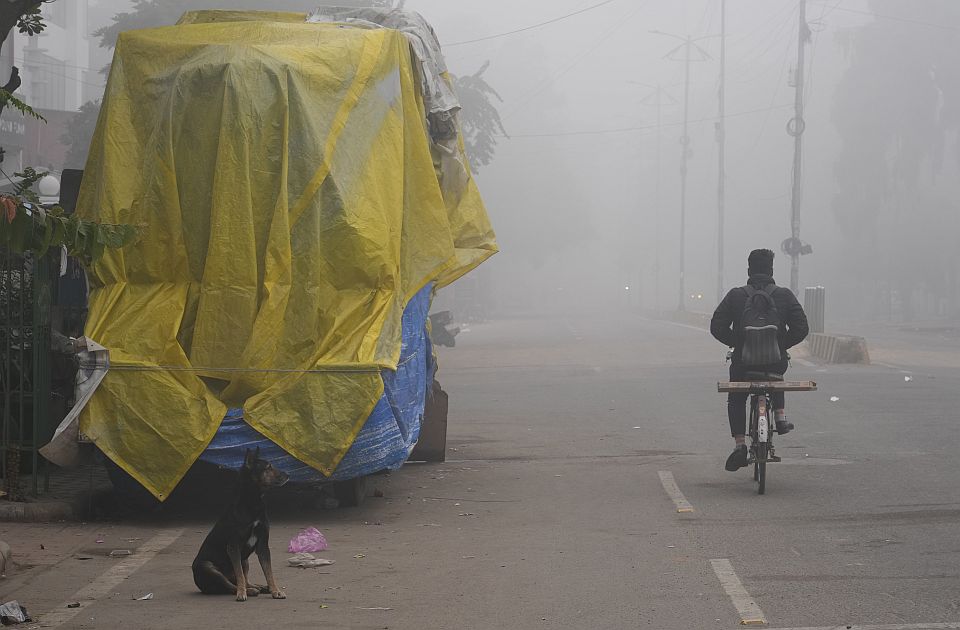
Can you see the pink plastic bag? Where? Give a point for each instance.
(307, 541)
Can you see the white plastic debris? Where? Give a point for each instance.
(12, 613)
(834, 398)
(907, 379)
(307, 561)
(145, 598)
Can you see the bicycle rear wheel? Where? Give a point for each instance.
(760, 473)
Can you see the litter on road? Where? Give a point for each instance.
(12, 612)
(307, 561)
(144, 598)
(308, 540)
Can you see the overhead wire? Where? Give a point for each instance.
(50, 67)
(765, 26)
(531, 27)
(765, 46)
(895, 18)
(813, 50)
(784, 64)
(603, 39)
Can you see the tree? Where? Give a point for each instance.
(479, 117)
(25, 225)
(897, 113)
(24, 15)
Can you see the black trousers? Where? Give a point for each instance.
(737, 403)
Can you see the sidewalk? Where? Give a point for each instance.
(68, 496)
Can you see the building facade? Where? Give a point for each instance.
(56, 80)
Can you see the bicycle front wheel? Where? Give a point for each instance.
(760, 474)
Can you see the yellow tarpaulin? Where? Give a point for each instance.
(283, 178)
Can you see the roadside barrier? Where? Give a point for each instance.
(838, 348)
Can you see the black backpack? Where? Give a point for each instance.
(760, 327)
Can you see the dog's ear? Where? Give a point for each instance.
(250, 459)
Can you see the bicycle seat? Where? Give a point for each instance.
(762, 376)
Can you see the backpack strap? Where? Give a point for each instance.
(768, 289)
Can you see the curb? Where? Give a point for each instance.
(44, 511)
(838, 348)
(39, 512)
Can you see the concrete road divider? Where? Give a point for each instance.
(838, 348)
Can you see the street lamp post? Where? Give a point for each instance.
(688, 47)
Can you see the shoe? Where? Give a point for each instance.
(737, 459)
(783, 427)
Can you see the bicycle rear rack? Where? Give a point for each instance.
(760, 387)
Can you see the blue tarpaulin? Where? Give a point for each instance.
(390, 433)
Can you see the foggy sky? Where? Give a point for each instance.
(577, 215)
(595, 57)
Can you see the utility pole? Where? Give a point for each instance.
(656, 99)
(721, 141)
(794, 247)
(688, 46)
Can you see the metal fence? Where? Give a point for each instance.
(26, 296)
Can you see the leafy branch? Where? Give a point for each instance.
(7, 98)
(31, 21)
(479, 118)
(28, 226)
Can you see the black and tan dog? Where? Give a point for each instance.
(221, 566)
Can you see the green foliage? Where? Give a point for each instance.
(479, 118)
(27, 226)
(31, 21)
(6, 98)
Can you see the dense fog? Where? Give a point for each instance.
(584, 190)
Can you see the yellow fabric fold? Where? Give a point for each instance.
(282, 175)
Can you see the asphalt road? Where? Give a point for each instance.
(551, 511)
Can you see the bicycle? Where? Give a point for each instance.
(762, 426)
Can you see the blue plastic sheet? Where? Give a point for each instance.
(387, 438)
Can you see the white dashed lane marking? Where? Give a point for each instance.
(673, 491)
(105, 584)
(749, 611)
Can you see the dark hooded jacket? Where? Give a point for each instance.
(725, 324)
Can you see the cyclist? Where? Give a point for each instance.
(726, 328)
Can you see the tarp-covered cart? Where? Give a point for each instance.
(302, 191)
